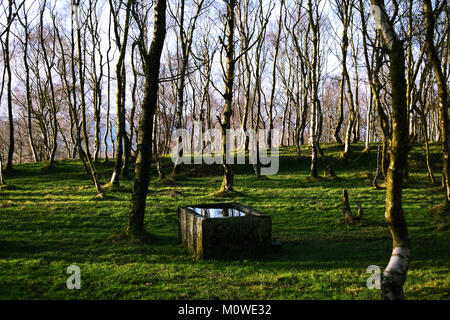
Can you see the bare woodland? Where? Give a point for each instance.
(101, 80)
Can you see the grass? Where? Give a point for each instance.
(51, 219)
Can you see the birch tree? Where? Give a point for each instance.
(225, 122)
(274, 75)
(430, 21)
(121, 44)
(7, 63)
(48, 58)
(23, 20)
(394, 275)
(151, 65)
(186, 37)
(314, 17)
(81, 73)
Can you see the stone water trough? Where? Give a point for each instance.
(227, 230)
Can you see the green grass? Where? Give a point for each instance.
(50, 219)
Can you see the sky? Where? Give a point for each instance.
(63, 10)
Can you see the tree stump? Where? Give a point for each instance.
(348, 216)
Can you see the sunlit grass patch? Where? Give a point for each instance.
(53, 220)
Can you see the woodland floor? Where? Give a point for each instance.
(50, 219)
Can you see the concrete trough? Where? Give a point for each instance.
(225, 230)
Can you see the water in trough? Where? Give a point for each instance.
(218, 212)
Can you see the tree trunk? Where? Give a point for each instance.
(28, 89)
(52, 103)
(6, 59)
(347, 18)
(228, 176)
(356, 125)
(108, 90)
(314, 25)
(151, 61)
(180, 89)
(344, 10)
(427, 150)
(395, 273)
(161, 173)
(93, 172)
(442, 95)
(120, 97)
(186, 44)
(2, 180)
(274, 76)
(368, 121)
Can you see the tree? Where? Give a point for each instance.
(260, 63)
(373, 67)
(344, 11)
(24, 22)
(421, 95)
(151, 65)
(225, 123)
(394, 275)
(96, 77)
(7, 59)
(185, 40)
(246, 33)
(301, 52)
(93, 171)
(430, 21)
(121, 44)
(49, 67)
(2, 179)
(314, 17)
(274, 75)
(108, 90)
(70, 89)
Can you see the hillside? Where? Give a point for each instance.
(51, 219)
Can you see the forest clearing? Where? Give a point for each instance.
(235, 150)
(52, 219)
